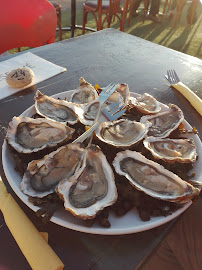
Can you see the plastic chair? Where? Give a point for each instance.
(131, 7)
(26, 23)
(109, 8)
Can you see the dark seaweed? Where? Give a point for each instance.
(47, 206)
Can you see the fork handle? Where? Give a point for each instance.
(195, 101)
(87, 133)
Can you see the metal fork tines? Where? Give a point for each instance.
(111, 113)
(107, 92)
(104, 95)
(114, 111)
(172, 77)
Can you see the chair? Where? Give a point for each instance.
(26, 23)
(109, 8)
(131, 7)
(167, 5)
(59, 21)
(179, 9)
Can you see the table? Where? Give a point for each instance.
(102, 57)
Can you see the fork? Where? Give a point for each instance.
(106, 92)
(175, 82)
(111, 113)
(103, 96)
(172, 77)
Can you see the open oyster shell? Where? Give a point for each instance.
(121, 95)
(163, 123)
(87, 113)
(28, 135)
(172, 150)
(55, 109)
(146, 104)
(122, 133)
(152, 178)
(42, 176)
(85, 93)
(91, 188)
(123, 90)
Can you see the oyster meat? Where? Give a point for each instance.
(172, 150)
(85, 93)
(55, 109)
(163, 123)
(92, 188)
(122, 133)
(28, 135)
(146, 104)
(42, 176)
(152, 178)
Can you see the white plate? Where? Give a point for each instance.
(129, 223)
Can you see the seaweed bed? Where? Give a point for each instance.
(128, 197)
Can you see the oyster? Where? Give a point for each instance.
(87, 113)
(146, 104)
(92, 188)
(42, 176)
(123, 90)
(55, 109)
(122, 133)
(121, 95)
(163, 123)
(152, 178)
(28, 135)
(171, 150)
(85, 93)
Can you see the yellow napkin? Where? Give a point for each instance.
(195, 101)
(36, 250)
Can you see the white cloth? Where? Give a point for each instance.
(42, 70)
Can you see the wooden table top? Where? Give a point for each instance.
(102, 57)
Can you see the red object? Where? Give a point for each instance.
(28, 23)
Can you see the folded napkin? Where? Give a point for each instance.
(36, 250)
(195, 101)
(42, 70)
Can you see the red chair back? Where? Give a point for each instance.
(26, 23)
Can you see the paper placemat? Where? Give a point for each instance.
(42, 69)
